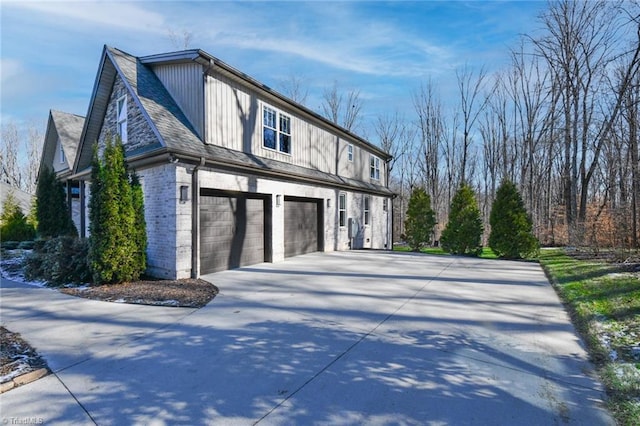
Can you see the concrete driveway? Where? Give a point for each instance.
(328, 338)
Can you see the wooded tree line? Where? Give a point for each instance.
(561, 123)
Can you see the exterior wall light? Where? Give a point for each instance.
(328, 203)
(278, 200)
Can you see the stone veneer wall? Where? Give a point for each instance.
(139, 132)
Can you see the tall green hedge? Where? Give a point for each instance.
(52, 210)
(463, 233)
(511, 227)
(115, 241)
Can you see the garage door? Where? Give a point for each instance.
(301, 226)
(232, 232)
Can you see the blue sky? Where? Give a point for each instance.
(386, 50)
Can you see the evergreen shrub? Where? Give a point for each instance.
(463, 233)
(511, 234)
(420, 220)
(61, 260)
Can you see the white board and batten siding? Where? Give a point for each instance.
(234, 120)
(184, 83)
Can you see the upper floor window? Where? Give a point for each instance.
(122, 118)
(276, 130)
(350, 152)
(63, 159)
(366, 210)
(375, 168)
(342, 209)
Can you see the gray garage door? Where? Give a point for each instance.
(301, 226)
(232, 232)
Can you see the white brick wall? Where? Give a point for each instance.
(373, 236)
(160, 208)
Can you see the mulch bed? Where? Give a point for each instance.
(17, 356)
(191, 293)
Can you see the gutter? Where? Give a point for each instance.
(195, 220)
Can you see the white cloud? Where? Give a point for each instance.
(373, 48)
(115, 15)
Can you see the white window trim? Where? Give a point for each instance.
(366, 210)
(278, 131)
(342, 207)
(350, 152)
(63, 158)
(374, 168)
(122, 118)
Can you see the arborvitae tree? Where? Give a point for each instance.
(140, 225)
(511, 228)
(420, 219)
(463, 233)
(52, 212)
(113, 251)
(13, 223)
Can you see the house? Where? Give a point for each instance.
(61, 140)
(233, 172)
(22, 198)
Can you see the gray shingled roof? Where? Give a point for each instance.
(68, 128)
(175, 133)
(23, 199)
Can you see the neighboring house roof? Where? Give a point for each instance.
(174, 132)
(67, 128)
(24, 199)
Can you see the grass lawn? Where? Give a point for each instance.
(487, 253)
(604, 303)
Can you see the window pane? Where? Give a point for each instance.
(285, 143)
(269, 118)
(342, 202)
(342, 217)
(285, 124)
(269, 136)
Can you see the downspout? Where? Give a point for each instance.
(195, 220)
(83, 207)
(389, 207)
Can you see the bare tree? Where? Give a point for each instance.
(180, 40)
(344, 110)
(293, 87)
(397, 137)
(472, 103)
(9, 148)
(34, 143)
(20, 155)
(578, 48)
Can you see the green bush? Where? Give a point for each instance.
(463, 233)
(52, 211)
(511, 228)
(115, 242)
(13, 223)
(61, 260)
(420, 220)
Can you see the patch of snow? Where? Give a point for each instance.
(20, 369)
(119, 301)
(170, 303)
(11, 268)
